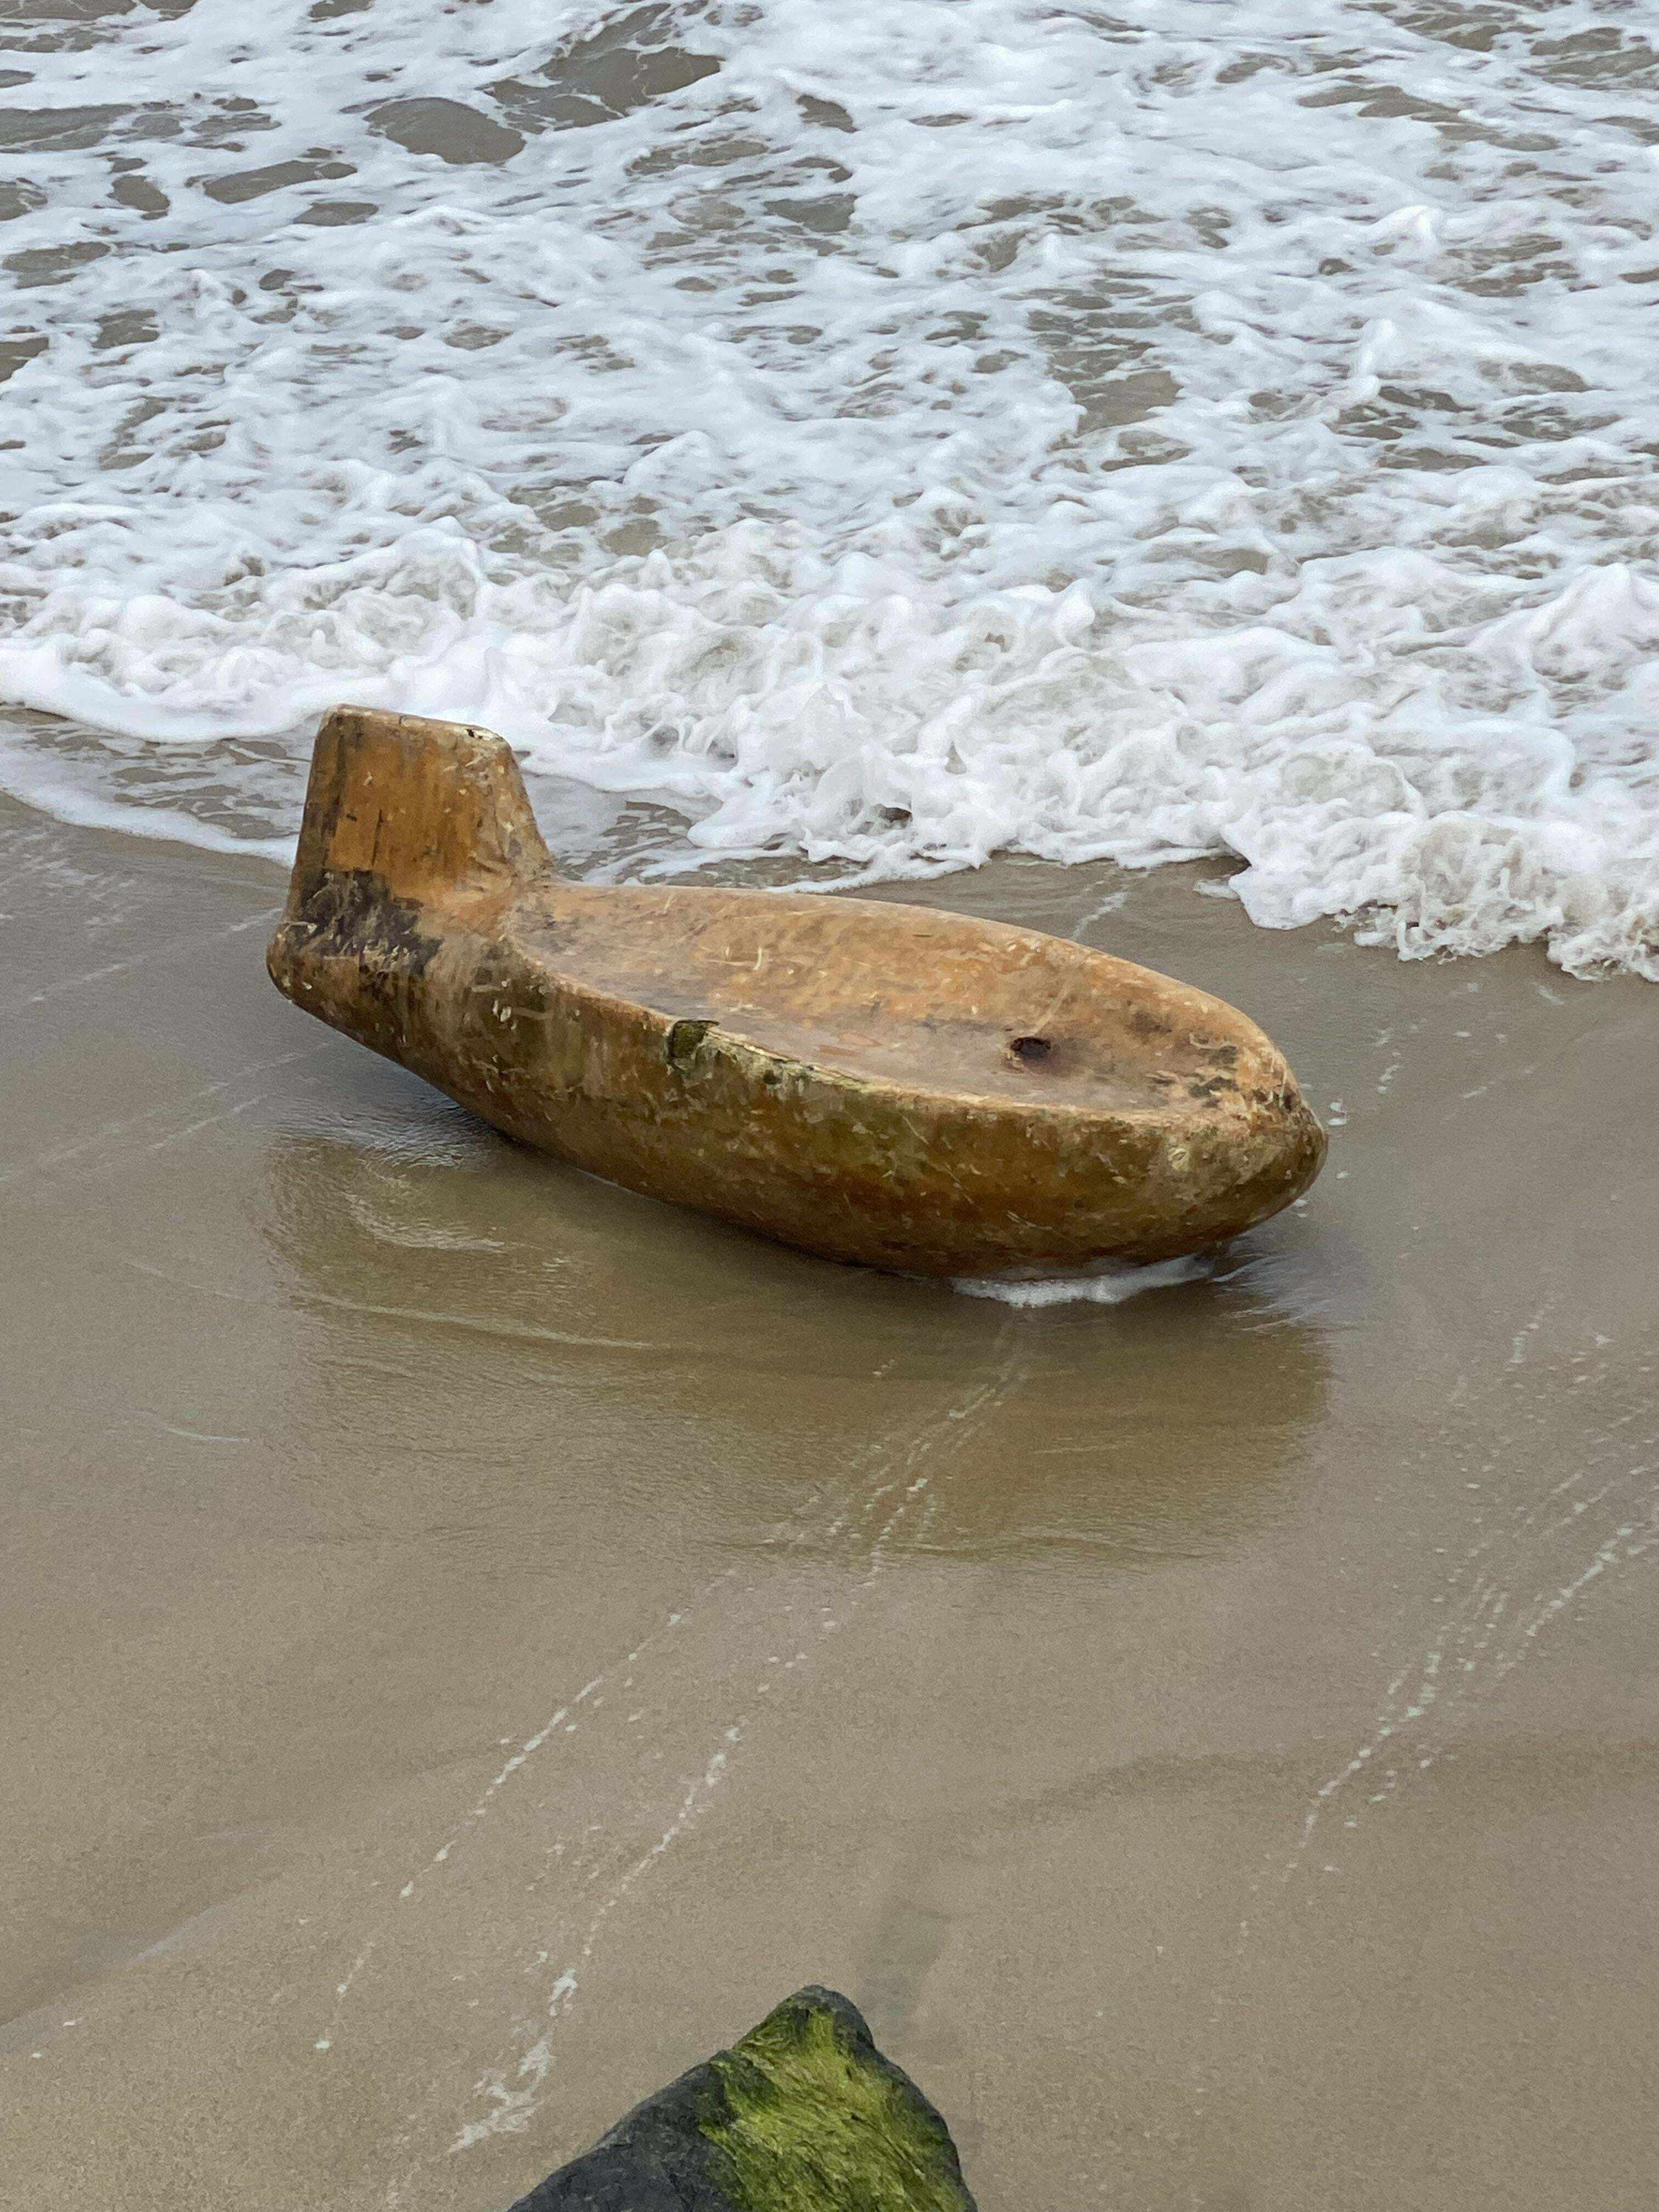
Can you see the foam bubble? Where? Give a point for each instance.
(886, 435)
(1107, 1283)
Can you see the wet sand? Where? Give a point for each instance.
(476, 1638)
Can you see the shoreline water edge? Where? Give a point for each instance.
(1136, 435)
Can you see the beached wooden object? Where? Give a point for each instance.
(890, 1084)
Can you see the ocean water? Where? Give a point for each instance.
(871, 435)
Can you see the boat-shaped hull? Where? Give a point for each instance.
(887, 1084)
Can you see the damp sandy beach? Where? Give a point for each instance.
(476, 1638)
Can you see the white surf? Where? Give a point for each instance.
(884, 435)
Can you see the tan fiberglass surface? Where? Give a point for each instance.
(903, 993)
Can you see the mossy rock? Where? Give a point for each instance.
(804, 2115)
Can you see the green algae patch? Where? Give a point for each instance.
(804, 2115)
(815, 2119)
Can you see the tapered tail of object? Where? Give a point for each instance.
(431, 812)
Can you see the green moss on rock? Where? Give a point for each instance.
(816, 2120)
(804, 2115)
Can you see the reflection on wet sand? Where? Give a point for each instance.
(1146, 1432)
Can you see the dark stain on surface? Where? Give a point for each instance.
(684, 1038)
(353, 916)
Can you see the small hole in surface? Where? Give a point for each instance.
(1030, 1048)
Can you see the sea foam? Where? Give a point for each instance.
(884, 434)
(1107, 1283)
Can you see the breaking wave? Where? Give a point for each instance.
(881, 435)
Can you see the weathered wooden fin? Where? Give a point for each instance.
(435, 811)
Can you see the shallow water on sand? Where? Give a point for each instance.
(877, 436)
(477, 1637)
